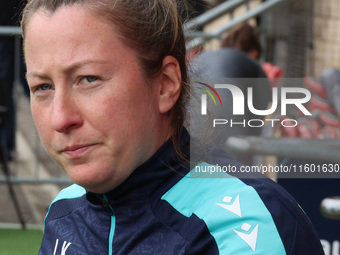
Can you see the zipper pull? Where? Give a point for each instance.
(106, 204)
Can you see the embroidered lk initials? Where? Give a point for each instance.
(63, 248)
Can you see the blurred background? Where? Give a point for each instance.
(294, 40)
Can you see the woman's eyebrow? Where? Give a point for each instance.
(78, 64)
(36, 74)
(67, 69)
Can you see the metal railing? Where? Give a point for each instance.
(213, 14)
(217, 12)
(37, 180)
(311, 149)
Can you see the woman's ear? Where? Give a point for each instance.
(170, 84)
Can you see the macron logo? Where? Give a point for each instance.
(251, 238)
(235, 207)
(246, 233)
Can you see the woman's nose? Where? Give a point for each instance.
(66, 113)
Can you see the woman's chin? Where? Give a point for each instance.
(96, 181)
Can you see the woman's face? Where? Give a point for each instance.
(96, 114)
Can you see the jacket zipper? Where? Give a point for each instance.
(110, 211)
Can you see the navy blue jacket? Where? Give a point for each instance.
(160, 209)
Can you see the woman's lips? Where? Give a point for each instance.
(77, 151)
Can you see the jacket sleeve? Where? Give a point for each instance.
(295, 229)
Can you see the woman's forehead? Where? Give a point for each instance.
(71, 36)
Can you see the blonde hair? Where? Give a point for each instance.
(153, 28)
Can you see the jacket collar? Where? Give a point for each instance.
(152, 178)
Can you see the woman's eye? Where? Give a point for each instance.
(90, 79)
(43, 87)
(42, 91)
